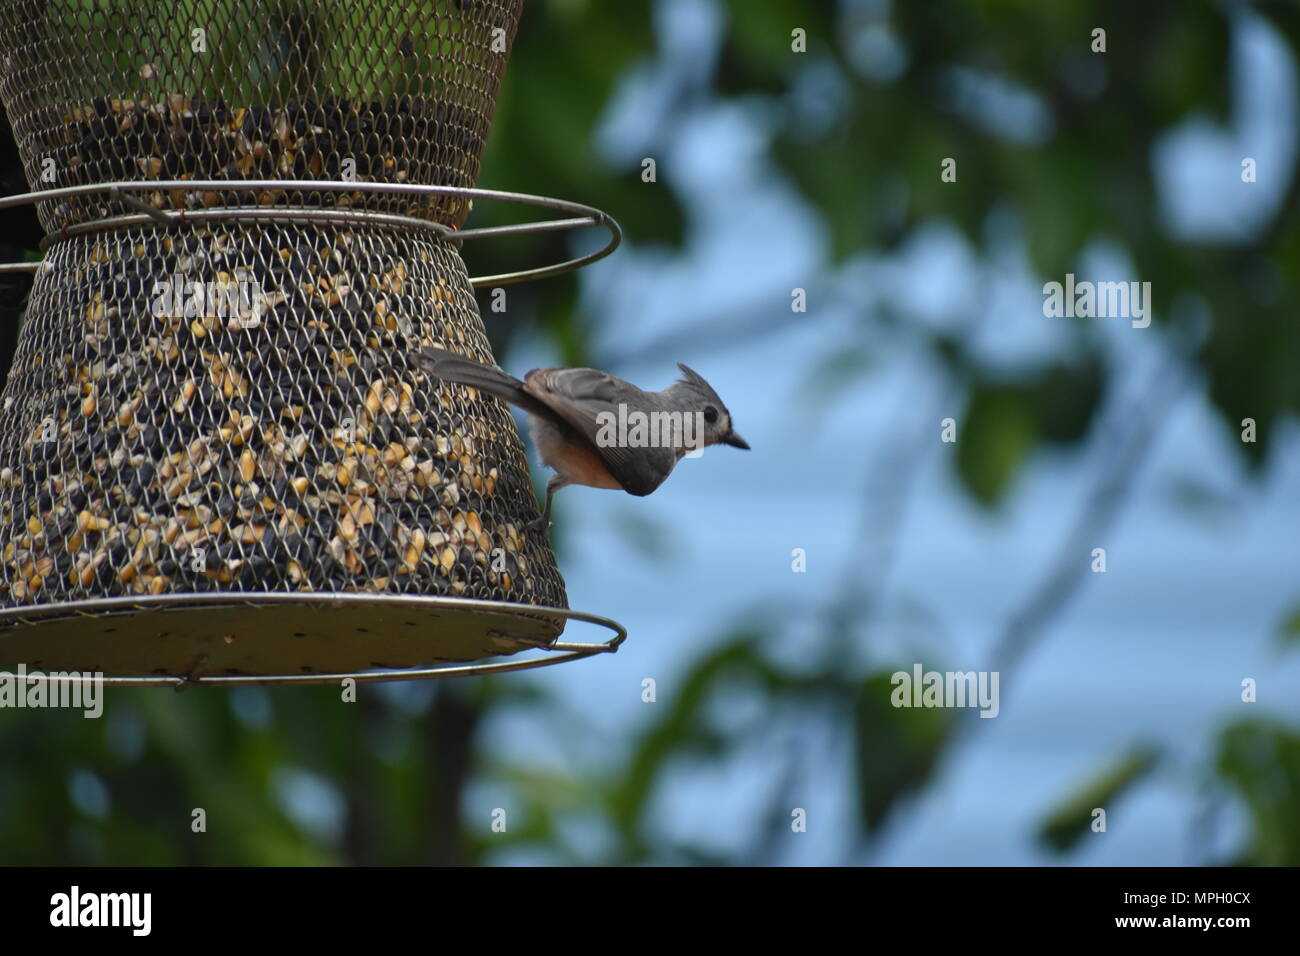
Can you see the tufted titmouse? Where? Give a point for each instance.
(598, 430)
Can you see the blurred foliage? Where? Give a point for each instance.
(566, 64)
(896, 748)
(1289, 632)
(1074, 817)
(1260, 759)
(999, 435)
(859, 125)
(1003, 422)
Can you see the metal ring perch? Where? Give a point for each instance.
(583, 216)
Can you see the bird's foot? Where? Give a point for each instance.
(541, 523)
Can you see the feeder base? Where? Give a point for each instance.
(285, 637)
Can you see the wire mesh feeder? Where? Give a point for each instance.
(398, 91)
(217, 462)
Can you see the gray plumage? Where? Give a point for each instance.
(568, 406)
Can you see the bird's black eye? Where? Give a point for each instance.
(710, 414)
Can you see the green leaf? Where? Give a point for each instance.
(1288, 632)
(1066, 825)
(756, 53)
(1261, 761)
(1186, 67)
(1066, 399)
(895, 748)
(994, 438)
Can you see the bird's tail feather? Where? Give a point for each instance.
(457, 368)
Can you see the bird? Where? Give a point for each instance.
(594, 428)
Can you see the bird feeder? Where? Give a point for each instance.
(218, 463)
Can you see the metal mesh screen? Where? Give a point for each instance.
(254, 423)
(381, 90)
(229, 406)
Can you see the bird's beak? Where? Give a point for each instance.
(735, 441)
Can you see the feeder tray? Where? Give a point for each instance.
(218, 463)
(265, 638)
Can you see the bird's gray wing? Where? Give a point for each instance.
(579, 396)
(458, 368)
